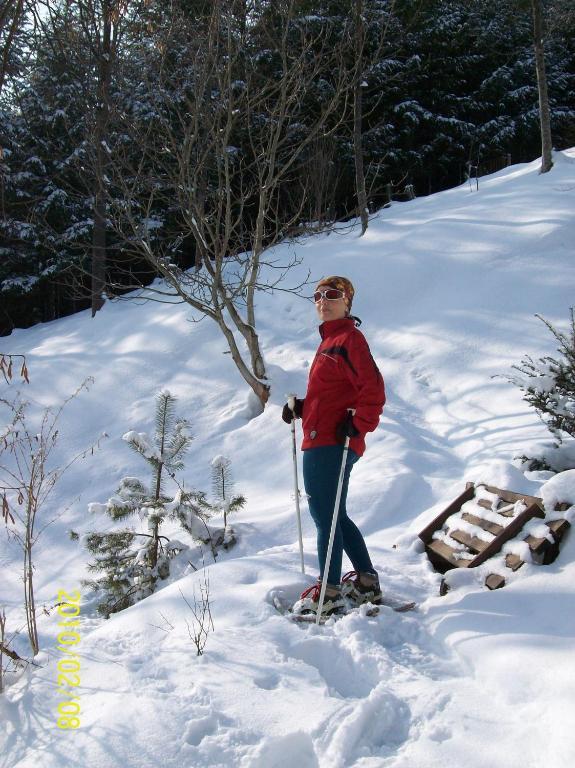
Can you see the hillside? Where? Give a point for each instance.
(447, 288)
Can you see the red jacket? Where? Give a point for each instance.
(343, 375)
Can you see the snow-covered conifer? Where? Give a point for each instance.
(130, 562)
(548, 385)
(223, 492)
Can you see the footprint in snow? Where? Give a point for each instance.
(372, 727)
(267, 681)
(341, 672)
(294, 749)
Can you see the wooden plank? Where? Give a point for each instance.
(494, 581)
(537, 544)
(534, 510)
(561, 506)
(445, 556)
(544, 551)
(473, 543)
(481, 522)
(514, 562)
(505, 509)
(559, 528)
(511, 496)
(426, 534)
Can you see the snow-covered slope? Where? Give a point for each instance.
(447, 287)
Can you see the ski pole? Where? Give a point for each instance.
(291, 403)
(350, 414)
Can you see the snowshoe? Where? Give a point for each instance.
(308, 603)
(361, 588)
(357, 590)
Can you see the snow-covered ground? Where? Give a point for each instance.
(447, 287)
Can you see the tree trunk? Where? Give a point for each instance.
(14, 23)
(357, 116)
(260, 389)
(257, 376)
(544, 112)
(99, 252)
(100, 148)
(29, 600)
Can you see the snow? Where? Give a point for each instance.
(560, 488)
(447, 287)
(143, 443)
(24, 283)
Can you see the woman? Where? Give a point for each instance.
(343, 375)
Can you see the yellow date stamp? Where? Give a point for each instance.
(68, 666)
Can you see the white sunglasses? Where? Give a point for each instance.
(331, 294)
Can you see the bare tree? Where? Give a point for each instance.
(228, 134)
(202, 623)
(544, 111)
(27, 479)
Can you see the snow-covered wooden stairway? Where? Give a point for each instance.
(477, 524)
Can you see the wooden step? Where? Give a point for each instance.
(504, 508)
(511, 497)
(507, 510)
(444, 557)
(481, 522)
(485, 503)
(473, 543)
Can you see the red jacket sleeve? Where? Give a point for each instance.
(368, 382)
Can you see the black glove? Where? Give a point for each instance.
(345, 429)
(288, 414)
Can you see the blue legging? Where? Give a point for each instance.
(321, 468)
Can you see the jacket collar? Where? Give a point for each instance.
(331, 327)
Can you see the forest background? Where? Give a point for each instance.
(139, 139)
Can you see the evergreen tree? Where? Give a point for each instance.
(223, 493)
(548, 385)
(47, 211)
(206, 100)
(46, 137)
(132, 562)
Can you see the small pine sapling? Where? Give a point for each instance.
(129, 562)
(548, 385)
(223, 493)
